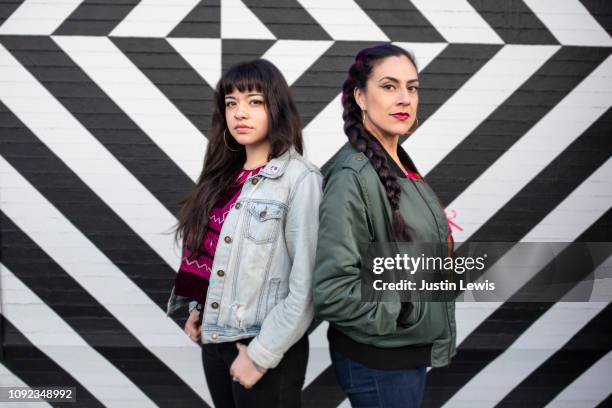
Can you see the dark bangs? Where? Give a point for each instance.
(245, 77)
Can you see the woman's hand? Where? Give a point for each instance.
(244, 370)
(193, 328)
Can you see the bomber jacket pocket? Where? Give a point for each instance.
(410, 313)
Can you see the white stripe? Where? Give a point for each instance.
(601, 286)
(99, 276)
(533, 152)
(54, 337)
(318, 356)
(8, 379)
(570, 22)
(588, 390)
(203, 54)
(345, 404)
(457, 21)
(294, 57)
(324, 135)
(86, 157)
(535, 345)
(478, 98)
(423, 53)
(154, 18)
(140, 99)
(344, 20)
(238, 21)
(39, 17)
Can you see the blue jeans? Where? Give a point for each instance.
(369, 388)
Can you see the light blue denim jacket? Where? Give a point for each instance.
(260, 284)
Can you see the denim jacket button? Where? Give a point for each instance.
(214, 336)
(214, 305)
(220, 273)
(254, 181)
(262, 214)
(237, 206)
(227, 239)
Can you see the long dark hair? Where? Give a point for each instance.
(222, 163)
(360, 138)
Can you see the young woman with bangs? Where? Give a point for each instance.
(249, 230)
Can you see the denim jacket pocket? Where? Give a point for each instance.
(263, 222)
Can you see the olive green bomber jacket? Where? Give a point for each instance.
(354, 210)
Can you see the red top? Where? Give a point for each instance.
(412, 174)
(194, 274)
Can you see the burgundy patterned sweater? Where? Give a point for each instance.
(194, 274)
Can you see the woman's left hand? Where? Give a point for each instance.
(244, 370)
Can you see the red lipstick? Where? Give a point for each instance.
(401, 116)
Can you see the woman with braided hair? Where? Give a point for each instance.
(374, 193)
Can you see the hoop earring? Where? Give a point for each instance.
(226, 145)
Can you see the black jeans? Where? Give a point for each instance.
(280, 386)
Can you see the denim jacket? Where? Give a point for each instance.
(260, 284)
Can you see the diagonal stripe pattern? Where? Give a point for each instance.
(105, 109)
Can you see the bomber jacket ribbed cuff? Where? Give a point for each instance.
(261, 356)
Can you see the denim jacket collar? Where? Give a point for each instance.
(277, 166)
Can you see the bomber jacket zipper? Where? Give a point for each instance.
(450, 331)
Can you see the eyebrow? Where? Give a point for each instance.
(395, 80)
(251, 94)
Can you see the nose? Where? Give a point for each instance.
(240, 112)
(404, 97)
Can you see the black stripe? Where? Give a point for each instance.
(498, 331)
(67, 82)
(7, 8)
(322, 82)
(87, 317)
(513, 21)
(583, 350)
(84, 209)
(93, 17)
(174, 77)
(236, 51)
(323, 391)
(555, 182)
(204, 21)
(35, 368)
(507, 124)
(607, 403)
(400, 20)
(313, 326)
(287, 19)
(602, 12)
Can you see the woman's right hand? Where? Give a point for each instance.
(193, 328)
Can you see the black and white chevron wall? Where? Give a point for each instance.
(104, 111)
